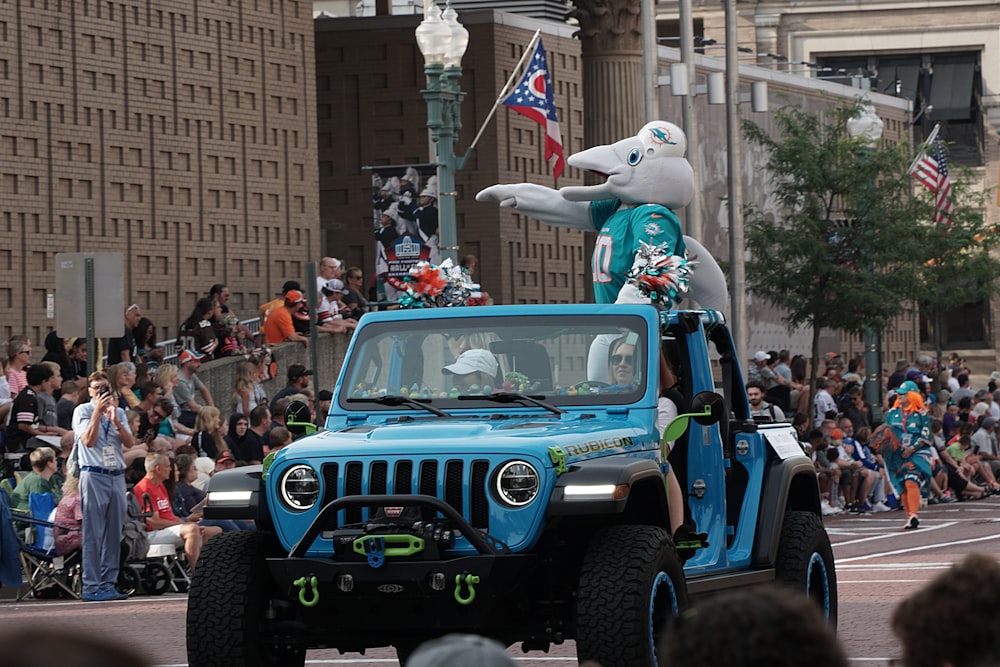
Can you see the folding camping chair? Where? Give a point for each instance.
(44, 569)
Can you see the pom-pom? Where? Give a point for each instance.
(430, 286)
(661, 277)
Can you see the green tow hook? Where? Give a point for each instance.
(470, 580)
(301, 584)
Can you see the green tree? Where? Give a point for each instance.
(836, 244)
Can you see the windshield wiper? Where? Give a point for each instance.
(510, 397)
(393, 401)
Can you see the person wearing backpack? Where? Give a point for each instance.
(758, 406)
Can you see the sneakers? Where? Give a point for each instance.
(100, 596)
(881, 507)
(944, 500)
(933, 500)
(912, 522)
(829, 510)
(104, 596)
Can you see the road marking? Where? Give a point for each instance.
(45, 604)
(871, 567)
(885, 581)
(883, 536)
(920, 548)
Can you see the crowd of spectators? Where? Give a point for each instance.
(146, 424)
(946, 430)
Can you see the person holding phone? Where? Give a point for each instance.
(102, 434)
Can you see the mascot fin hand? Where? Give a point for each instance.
(629, 293)
(540, 202)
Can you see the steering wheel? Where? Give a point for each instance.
(589, 384)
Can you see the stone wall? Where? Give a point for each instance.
(218, 375)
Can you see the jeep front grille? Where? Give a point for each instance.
(459, 483)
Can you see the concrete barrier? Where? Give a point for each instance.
(219, 374)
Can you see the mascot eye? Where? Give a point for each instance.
(634, 157)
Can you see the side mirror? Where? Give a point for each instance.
(707, 408)
(297, 417)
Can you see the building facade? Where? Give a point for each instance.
(180, 134)
(939, 55)
(371, 113)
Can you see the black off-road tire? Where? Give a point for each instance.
(226, 606)
(631, 583)
(805, 561)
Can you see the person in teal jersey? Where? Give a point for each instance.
(621, 228)
(646, 178)
(910, 425)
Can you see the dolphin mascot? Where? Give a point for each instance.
(646, 176)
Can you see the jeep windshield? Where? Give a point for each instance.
(563, 360)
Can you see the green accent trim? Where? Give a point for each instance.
(558, 458)
(307, 426)
(268, 460)
(407, 545)
(301, 583)
(470, 580)
(679, 424)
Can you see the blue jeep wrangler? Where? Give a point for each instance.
(499, 470)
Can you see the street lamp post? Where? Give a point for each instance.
(868, 126)
(442, 41)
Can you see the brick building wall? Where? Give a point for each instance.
(180, 134)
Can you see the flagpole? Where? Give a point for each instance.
(930, 140)
(503, 93)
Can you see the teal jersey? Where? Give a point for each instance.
(618, 241)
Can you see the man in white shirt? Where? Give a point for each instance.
(824, 407)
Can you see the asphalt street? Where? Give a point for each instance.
(878, 564)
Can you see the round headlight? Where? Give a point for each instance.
(299, 487)
(517, 483)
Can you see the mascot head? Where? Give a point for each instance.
(649, 168)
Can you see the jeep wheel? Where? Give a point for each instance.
(226, 605)
(631, 582)
(805, 561)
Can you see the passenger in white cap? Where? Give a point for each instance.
(473, 370)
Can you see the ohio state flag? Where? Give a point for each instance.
(532, 97)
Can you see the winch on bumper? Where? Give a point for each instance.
(389, 570)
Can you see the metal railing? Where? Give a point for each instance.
(170, 350)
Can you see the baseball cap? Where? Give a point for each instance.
(837, 434)
(988, 422)
(761, 355)
(294, 296)
(472, 361)
(333, 285)
(189, 355)
(290, 285)
(226, 457)
(458, 650)
(325, 395)
(295, 371)
(907, 387)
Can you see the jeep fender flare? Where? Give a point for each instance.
(238, 494)
(788, 485)
(643, 478)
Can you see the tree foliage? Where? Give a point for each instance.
(844, 241)
(959, 267)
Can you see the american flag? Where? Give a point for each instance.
(931, 170)
(533, 98)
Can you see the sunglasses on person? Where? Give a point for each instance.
(621, 358)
